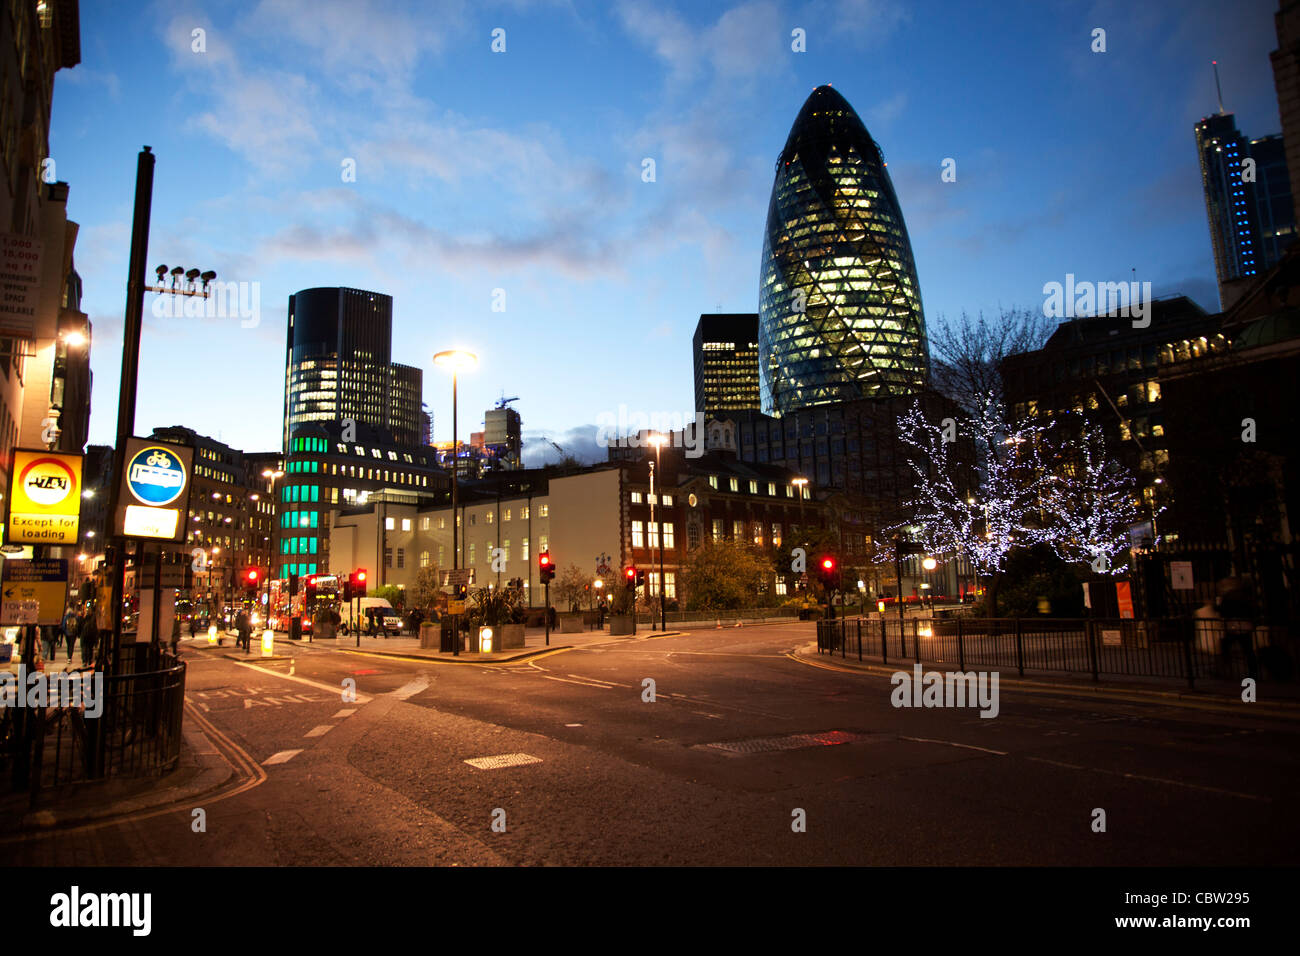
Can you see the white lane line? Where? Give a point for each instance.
(703, 714)
(597, 680)
(573, 725)
(411, 689)
(953, 743)
(284, 756)
(580, 683)
(345, 713)
(320, 731)
(330, 688)
(1138, 776)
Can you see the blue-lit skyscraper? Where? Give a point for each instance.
(1248, 201)
(839, 304)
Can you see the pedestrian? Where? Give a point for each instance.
(243, 631)
(71, 630)
(176, 634)
(89, 637)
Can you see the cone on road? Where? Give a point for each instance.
(719, 624)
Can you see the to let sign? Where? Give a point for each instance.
(20, 273)
(44, 497)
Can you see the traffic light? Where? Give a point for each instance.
(309, 597)
(640, 579)
(630, 576)
(359, 583)
(293, 585)
(545, 570)
(348, 590)
(250, 580)
(462, 592)
(828, 572)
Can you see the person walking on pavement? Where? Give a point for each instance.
(71, 628)
(244, 630)
(89, 636)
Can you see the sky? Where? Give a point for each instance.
(502, 198)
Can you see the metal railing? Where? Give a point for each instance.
(137, 732)
(1182, 648)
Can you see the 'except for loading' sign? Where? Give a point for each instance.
(45, 498)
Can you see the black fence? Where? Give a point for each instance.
(137, 730)
(1183, 648)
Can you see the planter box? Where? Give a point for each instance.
(512, 635)
(430, 635)
(620, 624)
(571, 623)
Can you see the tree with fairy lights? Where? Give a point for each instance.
(983, 508)
(1091, 503)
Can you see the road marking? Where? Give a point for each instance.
(580, 683)
(333, 689)
(320, 731)
(410, 689)
(502, 760)
(284, 756)
(953, 743)
(703, 714)
(573, 725)
(1143, 777)
(345, 713)
(598, 680)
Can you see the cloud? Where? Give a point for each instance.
(580, 442)
(746, 41)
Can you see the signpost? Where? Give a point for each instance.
(44, 498)
(154, 494)
(20, 277)
(40, 584)
(1181, 573)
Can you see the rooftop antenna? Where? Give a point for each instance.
(1217, 87)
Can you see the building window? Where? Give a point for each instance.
(654, 534)
(473, 519)
(738, 531)
(669, 541)
(780, 585)
(424, 559)
(505, 550)
(771, 489)
(442, 555)
(388, 557)
(776, 534)
(667, 501)
(718, 532)
(406, 524)
(401, 557)
(758, 534)
(442, 524)
(389, 524)
(424, 524)
(734, 484)
(490, 517)
(523, 549)
(471, 554)
(638, 534)
(670, 584)
(636, 497)
(543, 543)
(506, 516)
(523, 513)
(543, 511)
(753, 487)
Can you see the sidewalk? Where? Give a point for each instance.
(408, 647)
(1273, 699)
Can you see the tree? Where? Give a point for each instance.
(426, 591)
(1091, 504)
(967, 353)
(391, 593)
(570, 587)
(1004, 508)
(723, 575)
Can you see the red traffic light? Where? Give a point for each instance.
(544, 559)
(828, 564)
(630, 573)
(361, 576)
(252, 575)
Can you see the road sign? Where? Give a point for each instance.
(1181, 574)
(457, 577)
(44, 498)
(43, 582)
(154, 493)
(455, 607)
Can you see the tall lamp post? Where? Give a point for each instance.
(456, 360)
(800, 483)
(930, 564)
(659, 441)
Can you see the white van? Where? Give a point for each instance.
(372, 609)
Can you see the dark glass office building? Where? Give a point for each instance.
(840, 313)
(725, 349)
(1251, 222)
(338, 365)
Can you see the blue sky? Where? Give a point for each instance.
(522, 171)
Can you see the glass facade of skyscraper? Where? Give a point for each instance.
(840, 314)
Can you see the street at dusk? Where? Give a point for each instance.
(763, 455)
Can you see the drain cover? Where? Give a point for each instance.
(502, 760)
(762, 745)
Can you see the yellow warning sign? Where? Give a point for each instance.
(44, 498)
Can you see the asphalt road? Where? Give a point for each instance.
(612, 778)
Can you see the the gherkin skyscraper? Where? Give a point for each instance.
(839, 305)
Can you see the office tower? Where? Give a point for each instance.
(725, 351)
(840, 313)
(338, 365)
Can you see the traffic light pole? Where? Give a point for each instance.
(547, 615)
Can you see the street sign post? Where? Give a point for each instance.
(155, 491)
(43, 581)
(44, 499)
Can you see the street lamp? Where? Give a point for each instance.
(457, 360)
(659, 441)
(930, 564)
